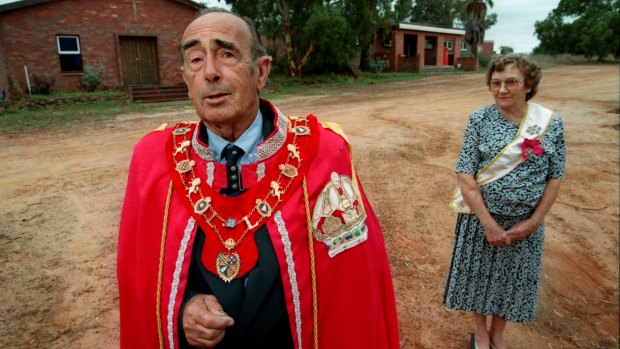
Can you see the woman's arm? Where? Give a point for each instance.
(496, 236)
(522, 229)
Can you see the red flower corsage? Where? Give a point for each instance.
(531, 146)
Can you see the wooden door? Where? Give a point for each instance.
(430, 50)
(139, 60)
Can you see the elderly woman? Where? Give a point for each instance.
(509, 171)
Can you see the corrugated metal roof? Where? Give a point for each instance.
(431, 28)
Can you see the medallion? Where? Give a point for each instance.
(185, 165)
(263, 208)
(230, 223)
(202, 205)
(288, 170)
(227, 265)
(179, 131)
(302, 130)
(229, 244)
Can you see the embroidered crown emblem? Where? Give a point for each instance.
(339, 219)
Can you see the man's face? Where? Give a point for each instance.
(217, 68)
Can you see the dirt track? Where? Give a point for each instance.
(62, 190)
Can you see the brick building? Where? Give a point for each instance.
(135, 41)
(420, 48)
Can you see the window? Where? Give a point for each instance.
(69, 53)
(448, 44)
(387, 40)
(463, 46)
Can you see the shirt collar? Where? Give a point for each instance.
(248, 141)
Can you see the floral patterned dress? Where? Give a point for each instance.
(502, 280)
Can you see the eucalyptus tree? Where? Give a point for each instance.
(438, 12)
(590, 28)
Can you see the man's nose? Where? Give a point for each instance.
(211, 70)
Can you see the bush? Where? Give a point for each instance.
(42, 84)
(91, 79)
(379, 65)
(483, 60)
(15, 90)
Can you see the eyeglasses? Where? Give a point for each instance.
(510, 84)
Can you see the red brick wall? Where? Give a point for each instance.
(28, 36)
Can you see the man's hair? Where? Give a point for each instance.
(258, 50)
(531, 71)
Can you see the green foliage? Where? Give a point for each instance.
(335, 45)
(15, 90)
(379, 65)
(506, 50)
(438, 12)
(483, 60)
(42, 84)
(460, 14)
(589, 28)
(476, 21)
(91, 79)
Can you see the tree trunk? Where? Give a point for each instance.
(290, 53)
(365, 58)
(304, 61)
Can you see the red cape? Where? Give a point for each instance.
(354, 293)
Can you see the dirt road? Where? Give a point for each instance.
(62, 190)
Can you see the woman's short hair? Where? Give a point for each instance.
(531, 70)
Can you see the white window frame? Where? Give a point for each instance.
(63, 52)
(463, 46)
(449, 44)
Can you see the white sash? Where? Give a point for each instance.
(533, 125)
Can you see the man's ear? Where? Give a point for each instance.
(263, 67)
(189, 90)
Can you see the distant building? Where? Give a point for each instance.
(135, 41)
(415, 47)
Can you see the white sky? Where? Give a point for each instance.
(515, 21)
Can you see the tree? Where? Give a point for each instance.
(591, 28)
(439, 12)
(506, 50)
(288, 17)
(476, 21)
(366, 17)
(333, 41)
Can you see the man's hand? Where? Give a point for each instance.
(205, 322)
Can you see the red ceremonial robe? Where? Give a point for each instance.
(333, 263)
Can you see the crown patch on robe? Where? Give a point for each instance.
(339, 219)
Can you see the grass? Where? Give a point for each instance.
(281, 86)
(19, 120)
(58, 115)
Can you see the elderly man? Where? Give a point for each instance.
(248, 229)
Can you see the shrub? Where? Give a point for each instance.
(379, 65)
(15, 90)
(91, 79)
(42, 84)
(483, 60)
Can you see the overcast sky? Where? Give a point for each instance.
(515, 21)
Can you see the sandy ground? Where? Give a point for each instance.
(61, 191)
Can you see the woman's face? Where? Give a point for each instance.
(508, 87)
